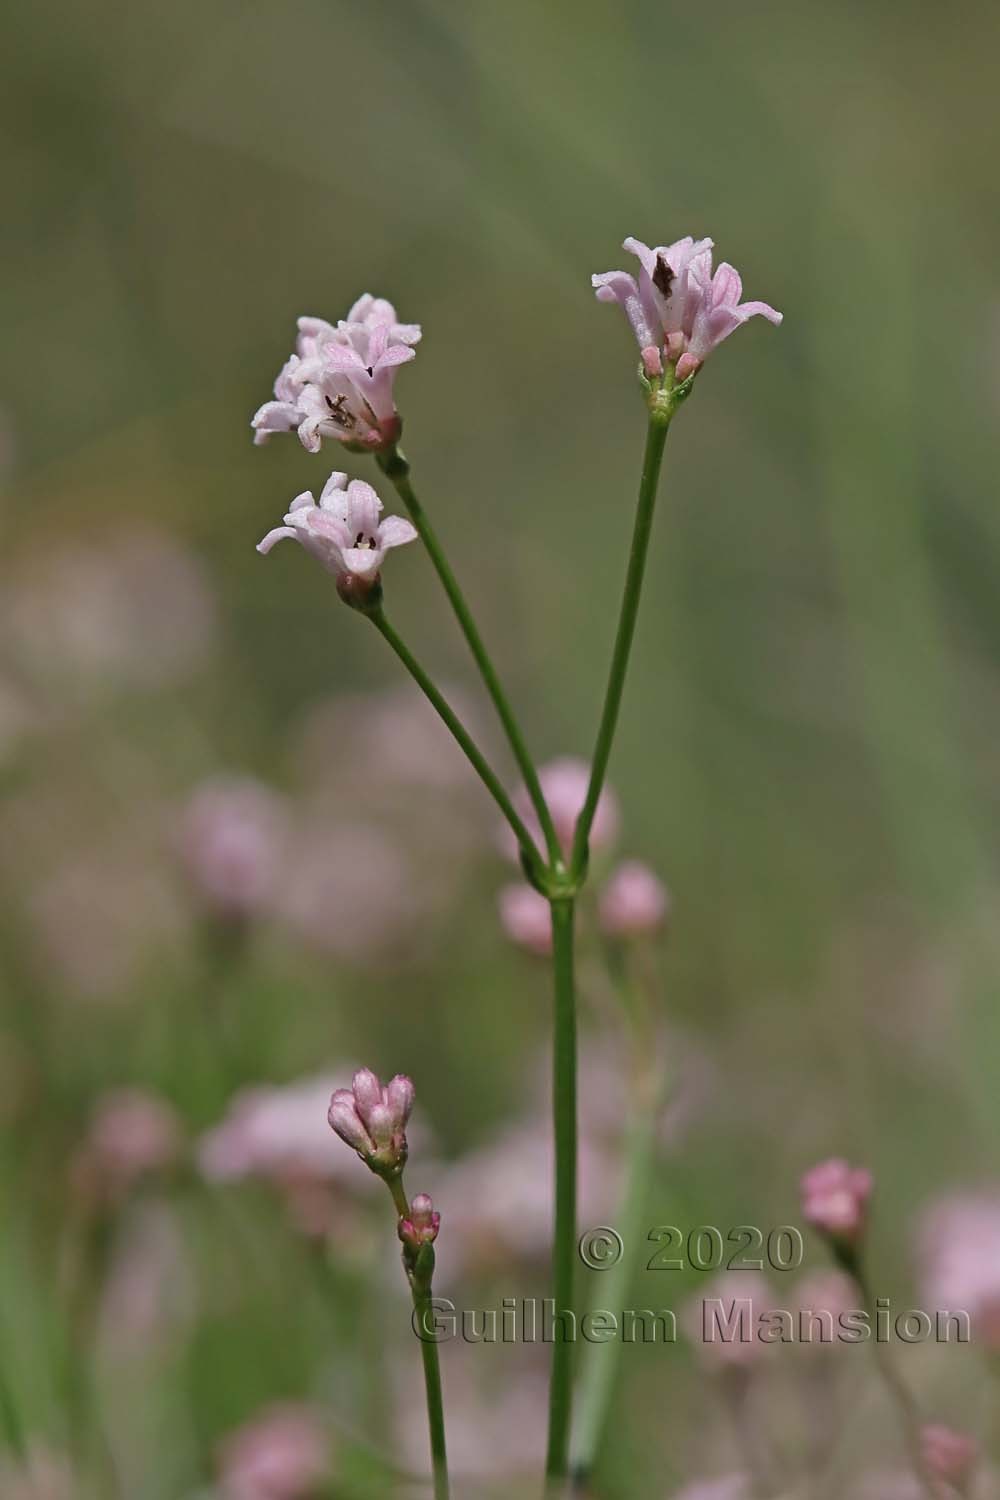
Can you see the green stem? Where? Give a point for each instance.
(422, 1293)
(656, 436)
(397, 469)
(435, 1401)
(475, 756)
(564, 1238)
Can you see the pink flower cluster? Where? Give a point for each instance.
(343, 531)
(835, 1199)
(372, 1119)
(339, 382)
(677, 309)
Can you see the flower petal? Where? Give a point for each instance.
(395, 531)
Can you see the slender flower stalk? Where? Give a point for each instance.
(564, 1233)
(371, 1119)
(661, 414)
(835, 1199)
(483, 769)
(397, 469)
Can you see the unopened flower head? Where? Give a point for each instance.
(344, 532)
(338, 383)
(678, 310)
(526, 919)
(372, 1119)
(421, 1228)
(634, 902)
(949, 1456)
(835, 1199)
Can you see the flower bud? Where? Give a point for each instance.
(835, 1200)
(372, 1120)
(344, 1120)
(526, 919)
(399, 1095)
(634, 902)
(421, 1228)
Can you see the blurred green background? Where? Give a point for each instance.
(808, 748)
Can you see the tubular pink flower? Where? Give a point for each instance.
(339, 382)
(343, 531)
(835, 1199)
(634, 902)
(372, 1120)
(676, 308)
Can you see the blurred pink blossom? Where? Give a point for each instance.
(633, 902)
(958, 1247)
(231, 840)
(564, 784)
(950, 1456)
(339, 382)
(678, 311)
(526, 919)
(835, 1198)
(282, 1454)
(274, 1132)
(132, 609)
(499, 1196)
(132, 1134)
(721, 1322)
(338, 874)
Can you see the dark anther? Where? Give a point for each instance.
(663, 276)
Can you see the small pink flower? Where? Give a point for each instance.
(343, 531)
(230, 842)
(634, 902)
(283, 1454)
(421, 1228)
(722, 1321)
(949, 1455)
(339, 382)
(677, 309)
(526, 918)
(835, 1199)
(564, 784)
(372, 1119)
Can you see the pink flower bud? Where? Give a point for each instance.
(373, 1119)
(421, 1228)
(835, 1199)
(687, 365)
(526, 919)
(399, 1097)
(344, 1120)
(634, 901)
(367, 1091)
(949, 1455)
(380, 1124)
